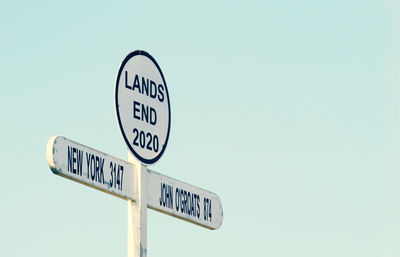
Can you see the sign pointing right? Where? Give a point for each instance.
(183, 201)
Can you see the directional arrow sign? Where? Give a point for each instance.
(117, 177)
(183, 201)
(92, 168)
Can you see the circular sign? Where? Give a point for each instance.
(142, 106)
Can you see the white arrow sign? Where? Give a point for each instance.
(117, 177)
(183, 201)
(90, 167)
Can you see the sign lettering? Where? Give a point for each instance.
(183, 200)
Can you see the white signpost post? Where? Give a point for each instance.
(144, 117)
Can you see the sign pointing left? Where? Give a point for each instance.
(91, 167)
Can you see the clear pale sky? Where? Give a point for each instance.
(288, 110)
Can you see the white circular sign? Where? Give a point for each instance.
(142, 106)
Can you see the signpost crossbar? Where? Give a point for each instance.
(132, 181)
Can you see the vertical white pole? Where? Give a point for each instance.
(137, 213)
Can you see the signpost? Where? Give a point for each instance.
(144, 117)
